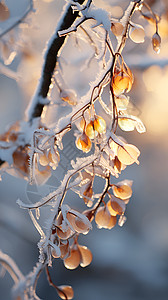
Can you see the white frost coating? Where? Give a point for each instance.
(56, 248)
(11, 267)
(63, 122)
(124, 20)
(100, 15)
(9, 73)
(36, 98)
(36, 225)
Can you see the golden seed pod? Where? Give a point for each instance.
(82, 124)
(102, 217)
(137, 33)
(112, 223)
(64, 248)
(126, 124)
(83, 143)
(90, 130)
(99, 124)
(86, 256)
(118, 205)
(156, 42)
(73, 261)
(65, 292)
(64, 235)
(121, 82)
(128, 155)
(122, 191)
(80, 226)
(110, 209)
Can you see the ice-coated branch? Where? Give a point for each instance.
(52, 53)
(9, 265)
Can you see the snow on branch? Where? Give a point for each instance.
(52, 52)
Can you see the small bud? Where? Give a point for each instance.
(156, 42)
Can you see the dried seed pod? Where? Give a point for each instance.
(156, 42)
(126, 124)
(112, 223)
(86, 256)
(110, 209)
(122, 190)
(83, 143)
(79, 224)
(118, 205)
(117, 28)
(102, 217)
(55, 253)
(90, 130)
(65, 292)
(121, 82)
(64, 248)
(82, 124)
(64, 235)
(73, 260)
(137, 33)
(99, 124)
(128, 154)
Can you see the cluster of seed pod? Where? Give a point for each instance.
(91, 130)
(49, 157)
(68, 225)
(106, 216)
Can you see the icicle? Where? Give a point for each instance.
(122, 220)
(37, 213)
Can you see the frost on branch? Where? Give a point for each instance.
(33, 149)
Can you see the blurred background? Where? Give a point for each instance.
(129, 262)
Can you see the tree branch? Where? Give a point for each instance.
(55, 44)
